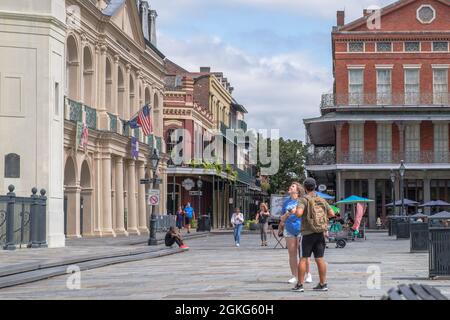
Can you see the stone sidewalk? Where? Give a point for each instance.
(215, 269)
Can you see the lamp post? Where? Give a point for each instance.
(393, 188)
(401, 171)
(154, 161)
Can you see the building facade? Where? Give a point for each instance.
(202, 104)
(390, 102)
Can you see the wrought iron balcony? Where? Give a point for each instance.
(321, 157)
(331, 100)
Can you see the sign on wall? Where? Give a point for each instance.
(188, 184)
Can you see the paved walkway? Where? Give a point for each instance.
(215, 269)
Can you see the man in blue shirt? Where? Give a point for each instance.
(189, 214)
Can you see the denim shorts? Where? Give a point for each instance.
(287, 234)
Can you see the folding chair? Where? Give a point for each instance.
(277, 238)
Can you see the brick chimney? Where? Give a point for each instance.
(340, 18)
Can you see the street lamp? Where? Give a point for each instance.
(401, 171)
(199, 186)
(393, 188)
(154, 161)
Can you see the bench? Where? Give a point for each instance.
(414, 292)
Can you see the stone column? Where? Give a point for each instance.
(372, 205)
(132, 217)
(141, 200)
(73, 211)
(127, 107)
(120, 211)
(88, 228)
(115, 85)
(106, 196)
(427, 193)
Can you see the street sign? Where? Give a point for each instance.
(195, 193)
(145, 181)
(153, 197)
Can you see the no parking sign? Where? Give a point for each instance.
(153, 197)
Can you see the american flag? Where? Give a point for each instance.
(145, 120)
(84, 136)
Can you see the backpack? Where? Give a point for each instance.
(316, 216)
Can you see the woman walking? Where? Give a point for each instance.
(180, 218)
(292, 227)
(237, 220)
(263, 219)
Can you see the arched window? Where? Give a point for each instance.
(108, 86)
(72, 69)
(88, 77)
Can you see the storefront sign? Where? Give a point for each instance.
(188, 184)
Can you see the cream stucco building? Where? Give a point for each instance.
(92, 62)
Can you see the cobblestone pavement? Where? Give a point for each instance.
(215, 269)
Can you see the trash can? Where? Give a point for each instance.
(204, 223)
(419, 237)
(393, 225)
(439, 245)
(403, 228)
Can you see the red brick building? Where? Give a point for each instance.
(390, 102)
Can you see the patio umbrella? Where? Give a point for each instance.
(436, 203)
(444, 215)
(418, 215)
(353, 200)
(398, 203)
(324, 195)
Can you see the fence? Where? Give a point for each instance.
(163, 223)
(23, 220)
(439, 251)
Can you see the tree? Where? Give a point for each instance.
(292, 154)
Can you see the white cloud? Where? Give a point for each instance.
(278, 91)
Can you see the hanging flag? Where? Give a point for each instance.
(133, 123)
(134, 148)
(84, 137)
(78, 134)
(145, 121)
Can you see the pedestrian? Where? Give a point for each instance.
(291, 231)
(262, 217)
(189, 214)
(237, 220)
(315, 212)
(174, 237)
(180, 218)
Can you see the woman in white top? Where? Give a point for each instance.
(237, 220)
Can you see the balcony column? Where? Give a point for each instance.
(401, 135)
(338, 127)
(141, 200)
(115, 84)
(120, 211)
(132, 217)
(340, 189)
(372, 205)
(427, 193)
(106, 196)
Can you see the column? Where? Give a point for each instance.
(427, 193)
(120, 210)
(141, 200)
(340, 190)
(401, 135)
(132, 218)
(106, 196)
(372, 205)
(115, 85)
(73, 211)
(88, 230)
(126, 104)
(338, 128)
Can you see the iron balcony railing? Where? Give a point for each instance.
(377, 157)
(331, 100)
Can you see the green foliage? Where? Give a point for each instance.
(292, 155)
(193, 224)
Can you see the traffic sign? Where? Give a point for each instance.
(195, 193)
(153, 197)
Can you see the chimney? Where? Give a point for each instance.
(143, 10)
(340, 18)
(152, 25)
(205, 69)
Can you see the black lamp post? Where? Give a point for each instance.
(401, 171)
(154, 161)
(393, 188)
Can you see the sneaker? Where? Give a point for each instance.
(237, 244)
(308, 278)
(298, 288)
(321, 287)
(292, 280)
(184, 247)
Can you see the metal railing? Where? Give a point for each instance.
(329, 157)
(331, 100)
(163, 223)
(23, 220)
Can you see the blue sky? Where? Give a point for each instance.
(275, 53)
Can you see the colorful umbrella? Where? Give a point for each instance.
(335, 209)
(354, 199)
(324, 195)
(406, 202)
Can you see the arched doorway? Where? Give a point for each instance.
(72, 69)
(71, 200)
(88, 77)
(86, 198)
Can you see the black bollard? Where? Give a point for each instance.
(34, 220)
(43, 220)
(10, 245)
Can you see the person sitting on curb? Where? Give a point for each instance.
(174, 237)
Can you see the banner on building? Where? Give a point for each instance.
(134, 148)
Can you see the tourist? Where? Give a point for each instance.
(189, 214)
(262, 217)
(174, 237)
(315, 212)
(291, 231)
(180, 218)
(237, 220)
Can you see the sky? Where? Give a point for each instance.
(275, 53)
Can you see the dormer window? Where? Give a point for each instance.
(384, 46)
(356, 47)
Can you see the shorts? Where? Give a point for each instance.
(287, 234)
(187, 220)
(313, 244)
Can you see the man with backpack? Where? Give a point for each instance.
(315, 212)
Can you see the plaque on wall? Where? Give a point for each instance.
(12, 166)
